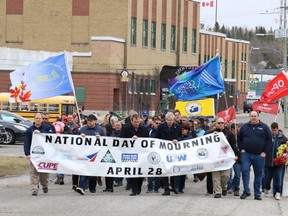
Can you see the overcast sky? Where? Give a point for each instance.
(243, 13)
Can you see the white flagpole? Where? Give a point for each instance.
(73, 88)
(275, 120)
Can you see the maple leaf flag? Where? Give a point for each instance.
(208, 4)
(44, 79)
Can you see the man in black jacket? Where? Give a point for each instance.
(35, 176)
(134, 130)
(169, 131)
(254, 142)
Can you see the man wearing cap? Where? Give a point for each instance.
(205, 126)
(91, 129)
(145, 120)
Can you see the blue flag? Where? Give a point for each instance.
(41, 80)
(198, 83)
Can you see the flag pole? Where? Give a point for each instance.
(275, 120)
(73, 88)
(216, 12)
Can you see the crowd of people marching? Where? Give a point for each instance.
(254, 144)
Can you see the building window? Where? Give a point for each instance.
(146, 86)
(153, 35)
(194, 41)
(152, 86)
(80, 8)
(226, 69)
(184, 40)
(14, 7)
(141, 86)
(130, 85)
(199, 59)
(233, 70)
(133, 30)
(163, 36)
(145, 33)
(230, 91)
(173, 38)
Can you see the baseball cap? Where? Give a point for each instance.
(92, 116)
(144, 113)
(206, 120)
(65, 118)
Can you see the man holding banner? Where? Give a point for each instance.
(35, 176)
(91, 129)
(135, 130)
(169, 131)
(220, 178)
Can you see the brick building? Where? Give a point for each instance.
(106, 37)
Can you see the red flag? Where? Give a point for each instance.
(266, 107)
(208, 4)
(228, 114)
(276, 88)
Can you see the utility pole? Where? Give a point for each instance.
(285, 60)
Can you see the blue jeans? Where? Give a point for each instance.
(153, 183)
(60, 175)
(180, 182)
(258, 163)
(92, 183)
(230, 181)
(274, 173)
(237, 176)
(282, 177)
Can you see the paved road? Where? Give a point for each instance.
(16, 198)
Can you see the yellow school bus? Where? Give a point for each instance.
(55, 106)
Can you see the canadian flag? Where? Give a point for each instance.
(208, 4)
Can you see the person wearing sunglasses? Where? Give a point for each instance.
(220, 178)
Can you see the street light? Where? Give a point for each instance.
(250, 51)
(284, 36)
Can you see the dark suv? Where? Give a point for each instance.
(247, 107)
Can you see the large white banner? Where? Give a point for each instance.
(142, 157)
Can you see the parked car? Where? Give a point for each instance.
(247, 107)
(13, 117)
(15, 126)
(3, 134)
